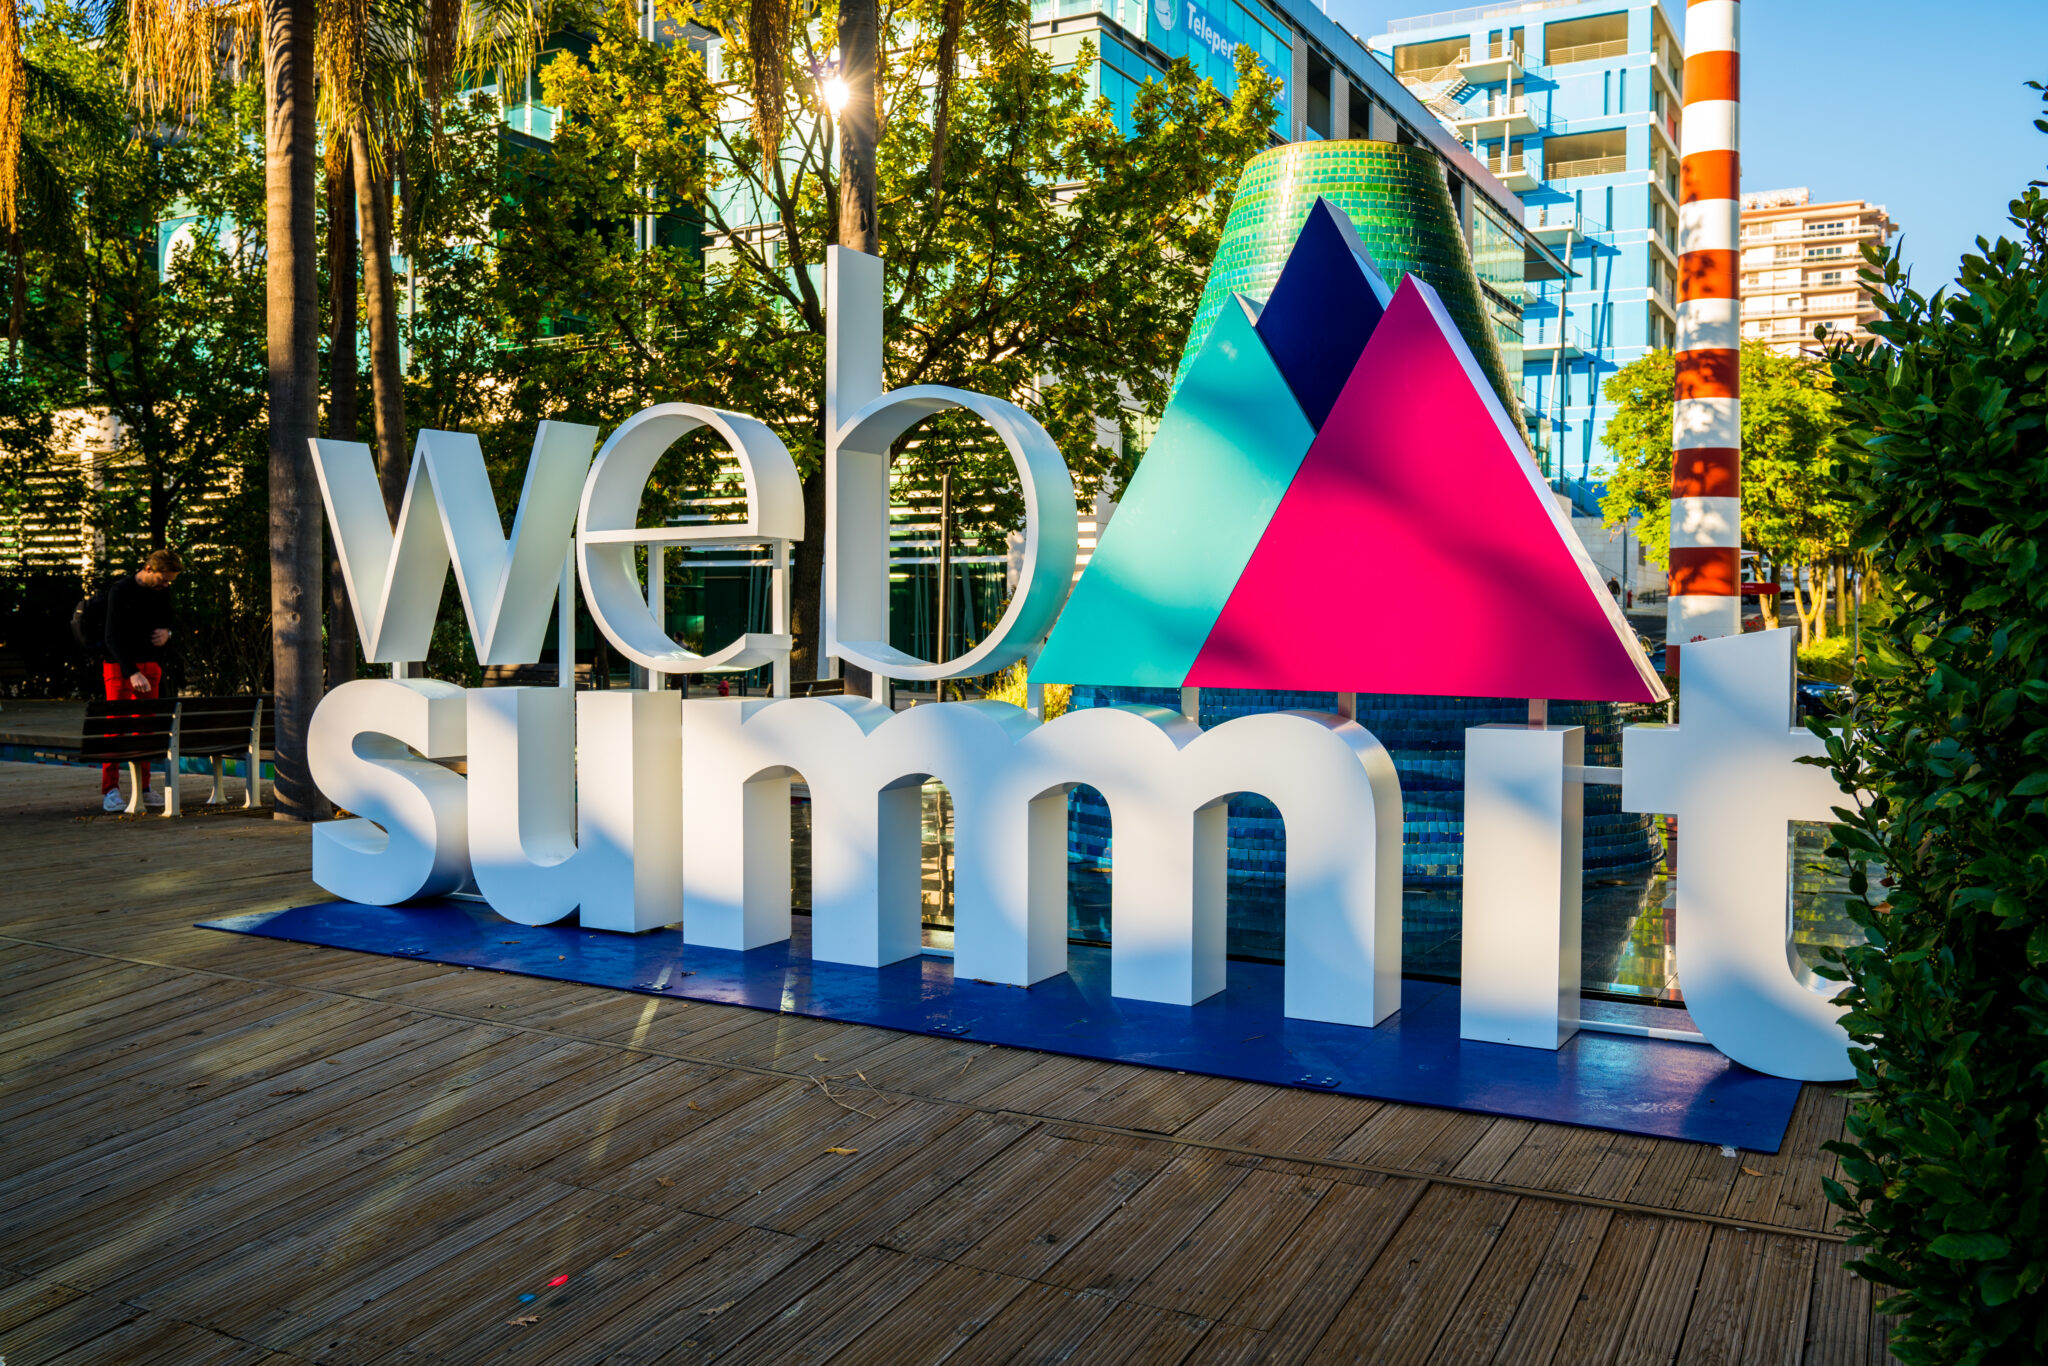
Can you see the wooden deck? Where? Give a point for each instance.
(216, 1149)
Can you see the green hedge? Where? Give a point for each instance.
(1946, 1173)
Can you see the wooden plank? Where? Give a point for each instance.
(1162, 1103)
(721, 1302)
(1838, 1325)
(1801, 1203)
(480, 1286)
(1479, 1326)
(29, 1297)
(1727, 1284)
(982, 1201)
(1553, 1291)
(1656, 1324)
(1221, 1260)
(928, 1326)
(1599, 1321)
(1065, 1210)
(1295, 1299)
(607, 1298)
(1298, 1123)
(331, 1171)
(833, 1312)
(629, 1126)
(1125, 1248)
(911, 1184)
(1140, 1336)
(1774, 1326)
(154, 1338)
(884, 1153)
(1042, 1323)
(1400, 1309)
(64, 1325)
(1490, 1152)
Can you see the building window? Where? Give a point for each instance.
(1586, 154)
(1316, 114)
(1427, 62)
(1585, 40)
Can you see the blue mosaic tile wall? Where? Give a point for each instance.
(1426, 736)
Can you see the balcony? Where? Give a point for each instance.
(1494, 64)
(1588, 166)
(1551, 224)
(1586, 52)
(1516, 172)
(1548, 345)
(1494, 119)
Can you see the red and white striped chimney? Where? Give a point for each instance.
(1706, 435)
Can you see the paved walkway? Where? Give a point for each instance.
(229, 1150)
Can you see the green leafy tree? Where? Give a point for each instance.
(1057, 262)
(1793, 513)
(1945, 1173)
(164, 337)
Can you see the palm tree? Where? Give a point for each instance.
(173, 49)
(386, 67)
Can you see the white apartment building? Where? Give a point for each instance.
(1799, 265)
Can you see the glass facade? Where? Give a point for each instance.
(1497, 261)
(1206, 32)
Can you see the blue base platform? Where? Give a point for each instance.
(1633, 1085)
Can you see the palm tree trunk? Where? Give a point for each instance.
(380, 307)
(950, 21)
(341, 389)
(858, 21)
(292, 306)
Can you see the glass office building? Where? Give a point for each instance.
(1573, 104)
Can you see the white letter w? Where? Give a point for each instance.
(394, 577)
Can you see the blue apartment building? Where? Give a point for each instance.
(1574, 104)
(1331, 87)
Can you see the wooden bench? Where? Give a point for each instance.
(135, 732)
(216, 727)
(141, 731)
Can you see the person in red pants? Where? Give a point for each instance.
(138, 627)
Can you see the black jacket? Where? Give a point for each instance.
(133, 612)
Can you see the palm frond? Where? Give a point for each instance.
(13, 104)
(173, 49)
(768, 49)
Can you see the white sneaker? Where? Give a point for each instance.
(114, 801)
(152, 798)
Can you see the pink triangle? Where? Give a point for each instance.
(1418, 551)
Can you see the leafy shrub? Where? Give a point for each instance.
(1828, 660)
(1946, 1173)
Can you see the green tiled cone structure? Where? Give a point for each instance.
(1394, 195)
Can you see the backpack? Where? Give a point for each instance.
(89, 618)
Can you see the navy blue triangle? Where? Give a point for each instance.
(1323, 309)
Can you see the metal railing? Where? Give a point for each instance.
(1494, 109)
(1460, 16)
(1549, 216)
(1587, 166)
(1505, 165)
(1585, 52)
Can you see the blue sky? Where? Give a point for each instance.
(1921, 107)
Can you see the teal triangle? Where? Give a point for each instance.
(1226, 449)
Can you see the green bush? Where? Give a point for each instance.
(1946, 1171)
(1828, 659)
